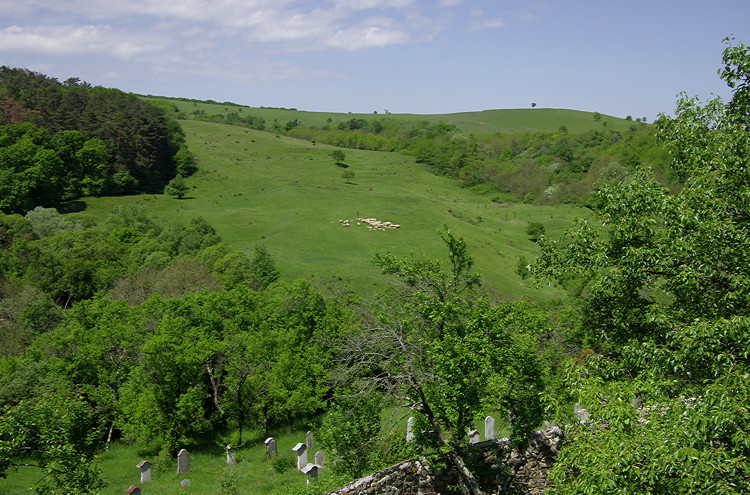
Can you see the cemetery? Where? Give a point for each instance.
(527, 469)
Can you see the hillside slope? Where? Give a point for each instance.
(259, 188)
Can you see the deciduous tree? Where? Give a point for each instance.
(442, 352)
(668, 310)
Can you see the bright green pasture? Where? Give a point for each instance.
(481, 122)
(258, 188)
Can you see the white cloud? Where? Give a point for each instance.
(449, 3)
(366, 37)
(488, 24)
(70, 40)
(372, 4)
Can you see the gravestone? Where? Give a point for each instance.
(230, 456)
(133, 490)
(320, 459)
(145, 467)
(583, 414)
(409, 429)
(311, 470)
(473, 436)
(185, 483)
(309, 441)
(301, 450)
(183, 461)
(489, 428)
(270, 446)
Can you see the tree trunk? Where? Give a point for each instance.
(466, 477)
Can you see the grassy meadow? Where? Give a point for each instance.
(259, 188)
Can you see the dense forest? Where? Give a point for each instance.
(156, 334)
(60, 141)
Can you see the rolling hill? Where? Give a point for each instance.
(259, 188)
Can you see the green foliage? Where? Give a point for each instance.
(440, 349)
(667, 310)
(338, 156)
(56, 434)
(535, 231)
(47, 221)
(177, 187)
(348, 175)
(283, 463)
(263, 271)
(72, 140)
(348, 432)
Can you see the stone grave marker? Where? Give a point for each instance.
(309, 441)
(473, 436)
(410, 429)
(230, 456)
(183, 461)
(133, 490)
(145, 468)
(270, 446)
(320, 459)
(301, 450)
(185, 483)
(311, 470)
(583, 414)
(489, 428)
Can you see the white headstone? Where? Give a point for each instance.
(410, 429)
(301, 450)
(183, 461)
(230, 456)
(185, 483)
(489, 428)
(320, 459)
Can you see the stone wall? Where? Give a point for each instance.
(411, 477)
(523, 472)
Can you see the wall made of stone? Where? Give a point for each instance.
(528, 470)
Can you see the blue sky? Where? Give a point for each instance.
(406, 56)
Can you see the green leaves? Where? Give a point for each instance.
(668, 305)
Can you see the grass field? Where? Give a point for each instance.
(259, 188)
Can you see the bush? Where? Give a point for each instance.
(283, 463)
(535, 230)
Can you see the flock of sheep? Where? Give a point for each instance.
(372, 224)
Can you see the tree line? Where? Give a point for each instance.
(60, 141)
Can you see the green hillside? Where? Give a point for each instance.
(485, 121)
(259, 188)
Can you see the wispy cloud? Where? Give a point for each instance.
(70, 40)
(488, 24)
